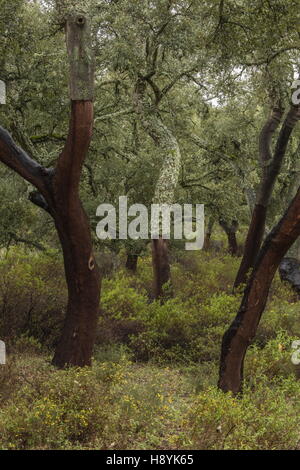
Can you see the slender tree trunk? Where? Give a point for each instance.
(82, 273)
(230, 230)
(243, 329)
(161, 268)
(131, 262)
(232, 243)
(208, 234)
(165, 187)
(207, 238)
(253, 242)
(271, 167)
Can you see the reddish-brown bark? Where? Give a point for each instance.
(271, 166)
(243, 329)
(252, 244)
(82, 274)
(161, 267)
(58, 193)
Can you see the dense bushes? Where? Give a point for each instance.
(112, 405)
(267, 418)
(118, 404)
(54, 408)
(187, 328)
(32, 295)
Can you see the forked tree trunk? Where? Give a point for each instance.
(161, 268)
(58, 194)
(230, 230)
(271, 166)
(243, 329)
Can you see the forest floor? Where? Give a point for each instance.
(155, 369)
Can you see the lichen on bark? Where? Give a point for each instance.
(75, 16)
(78, 36)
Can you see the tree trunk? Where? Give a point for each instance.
(161, 268)
(131, 262)
(167, 181)
(271, 166)
(58, 194)
(207, 238)
(232, 243)
(243, 329)
(82, 274)
(230, 231)
(208, 234)
(83, 279)
(252, 244)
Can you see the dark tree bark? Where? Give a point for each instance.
(58, 194)
(243, 329)
(82, 274)
(131, 262)
(271, 166)
(230, 230)
(208, 234)
(253, 242)
(161, 268)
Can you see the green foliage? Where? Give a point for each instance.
(189, 327)
(32, 295)
(264, 419)
(61, 408)
(210, 71)
(121, 300)
(121, 405)
(169, 388)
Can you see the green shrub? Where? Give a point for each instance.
(264, 420)
(272, 361)
(32, 296)
(66, 407)
(120, 301)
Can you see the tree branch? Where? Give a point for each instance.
(18, 160)
(267, 133)
(38, 199)
(113, 115)
(31, 243)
